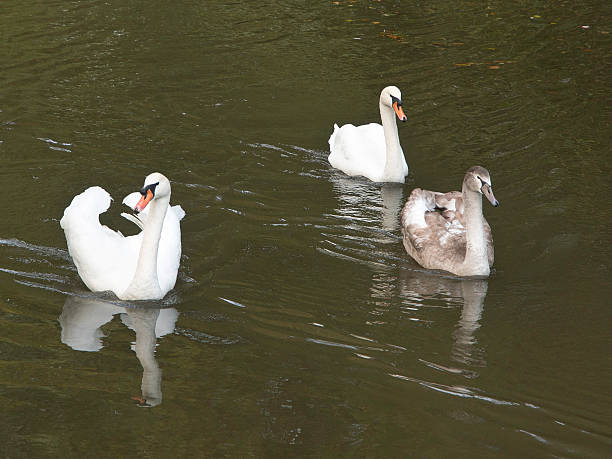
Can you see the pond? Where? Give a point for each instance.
(298, 325)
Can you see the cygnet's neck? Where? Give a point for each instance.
(394, 155)
(145, 281)
(476, 260)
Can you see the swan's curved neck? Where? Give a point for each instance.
(145, 277)
(476, 259)
(394, 162)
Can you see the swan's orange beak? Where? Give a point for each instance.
(146, 199)
(399, 111)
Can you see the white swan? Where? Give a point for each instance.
(447, 231)
(139, 267)
(372, 150)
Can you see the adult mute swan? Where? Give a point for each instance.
(372, 150)
(139, 267)
(447, 231)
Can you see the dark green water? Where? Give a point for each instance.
(298, 326)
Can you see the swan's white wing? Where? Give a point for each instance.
(179, 212)
(104, 258)
(131, 200)
(358, 150)
(134, 219)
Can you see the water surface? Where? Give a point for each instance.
(298, 325)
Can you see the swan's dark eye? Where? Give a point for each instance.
(151, 187)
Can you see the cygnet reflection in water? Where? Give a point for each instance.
(473, 293)
(82, 319)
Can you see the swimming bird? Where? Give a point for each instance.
(372, 150)
(447, 231)
(139, 267)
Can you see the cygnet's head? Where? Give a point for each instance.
(477, 179)
(156, 186)
(391, 96)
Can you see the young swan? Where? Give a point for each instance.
(447, 231)
(372, 150)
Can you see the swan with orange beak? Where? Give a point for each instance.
(143, 266)
(372, 150)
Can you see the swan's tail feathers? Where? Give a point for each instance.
(178, 210)
(134, 219)
(90, 203)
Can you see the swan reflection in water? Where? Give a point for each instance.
(471, 292)
(81, 321)
(370, 209)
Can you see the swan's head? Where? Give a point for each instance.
(477, 179)
(156, 186)
(391, 96)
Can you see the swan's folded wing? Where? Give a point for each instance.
(358, 150)
(452, 200)
(178, 211)
(489, 238)
(419, 202)
(131, 200)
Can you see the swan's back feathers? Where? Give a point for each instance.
(359, 150)
(434, 231)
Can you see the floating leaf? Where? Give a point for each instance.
(494, 67)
